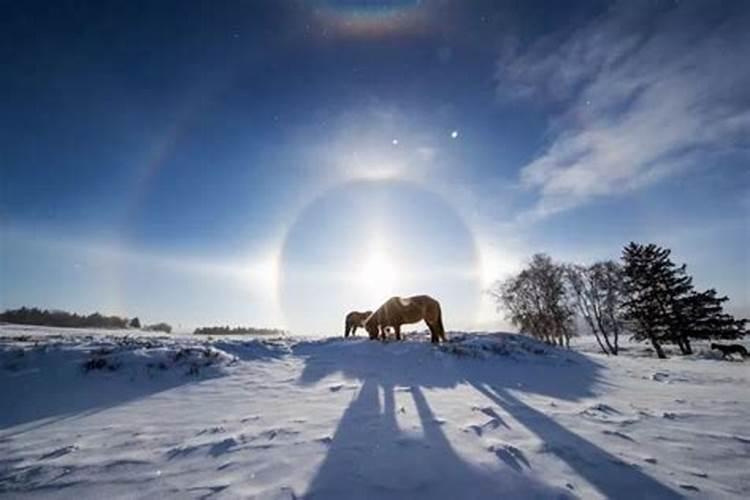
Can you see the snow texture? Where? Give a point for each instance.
(93, 414)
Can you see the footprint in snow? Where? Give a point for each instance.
(336, 388)
(511, 455)
(618, 434)
(180, 451)
(689, 487)
(487, 410)
(490, 424)
(325, 440)
(59, 452)
(212, 430)
(271, 434)
(218, 449)
(290, 491)
(212, 490)
(603, 408)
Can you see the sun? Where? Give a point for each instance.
(378, 274)
(360, 243)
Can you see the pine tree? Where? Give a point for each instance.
(655, 289)
(135, 323)
(662, 305)
(702, 316)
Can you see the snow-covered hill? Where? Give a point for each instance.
(87, 414)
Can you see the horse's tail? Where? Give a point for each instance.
(439, 323)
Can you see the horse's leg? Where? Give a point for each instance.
(440, 327)
(433, 332)
(397, 331)
(354, 330)
(346, 330)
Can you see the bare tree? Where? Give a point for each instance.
(536, 301)
(598, 294)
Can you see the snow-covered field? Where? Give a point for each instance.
(87, 414)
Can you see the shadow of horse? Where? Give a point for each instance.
(371, 456)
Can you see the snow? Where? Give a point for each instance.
(110, 414)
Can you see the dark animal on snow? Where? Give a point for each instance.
(728, 350)
(398, 311)
(354, 320)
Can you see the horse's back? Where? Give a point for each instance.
(424, 301)
(404, 301)
(357, 316)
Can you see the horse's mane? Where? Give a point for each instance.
(367, 320)
(405, 301)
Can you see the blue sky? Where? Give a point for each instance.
(279, 163)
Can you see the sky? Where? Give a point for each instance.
(280, 163)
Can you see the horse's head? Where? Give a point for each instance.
(371, 326)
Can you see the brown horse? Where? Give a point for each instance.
(354, 320)
(398, 311)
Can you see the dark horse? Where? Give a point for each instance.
(728, 350)
(398, 311)
(354, 320)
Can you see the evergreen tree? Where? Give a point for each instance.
(662, 305)
(135, 323)
(702, 317)
(655, 292)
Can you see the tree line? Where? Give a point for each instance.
(46, 317)
(237, 330)
(646, 295)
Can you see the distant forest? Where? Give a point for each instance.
(238, 330)
(45, 317)
(64, 319)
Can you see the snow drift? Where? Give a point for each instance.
(104, 414)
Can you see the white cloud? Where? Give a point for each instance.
(635, 95)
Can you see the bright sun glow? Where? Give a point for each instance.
(264, 272)
(379, 274)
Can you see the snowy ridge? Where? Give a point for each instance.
(93, 414)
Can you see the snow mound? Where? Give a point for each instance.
(484, 345)
(191, 360)
(124, 354)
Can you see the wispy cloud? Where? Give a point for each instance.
(635, 95)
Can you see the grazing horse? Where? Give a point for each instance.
(354, 320)
(398, 311)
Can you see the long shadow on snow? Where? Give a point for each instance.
(370, 456)
(53, 386)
